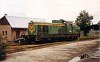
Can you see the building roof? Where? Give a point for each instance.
(21, 22)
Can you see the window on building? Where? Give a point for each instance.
(6, 32)
(2, 32)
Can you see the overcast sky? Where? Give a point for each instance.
(50, 9)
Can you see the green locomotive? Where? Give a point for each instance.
(48, 32)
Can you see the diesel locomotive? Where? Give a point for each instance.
(47, 32)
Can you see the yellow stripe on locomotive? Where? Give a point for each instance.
(31, 28)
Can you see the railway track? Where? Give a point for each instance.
(12, 48)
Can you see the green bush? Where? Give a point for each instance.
(3, 46)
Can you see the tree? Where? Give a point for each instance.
(3, 46)
(83, 20)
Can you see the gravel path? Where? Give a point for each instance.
(61, 53)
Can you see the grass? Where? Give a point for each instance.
(87, 38)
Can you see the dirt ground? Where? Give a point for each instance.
(94, 55)
(56, 53)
